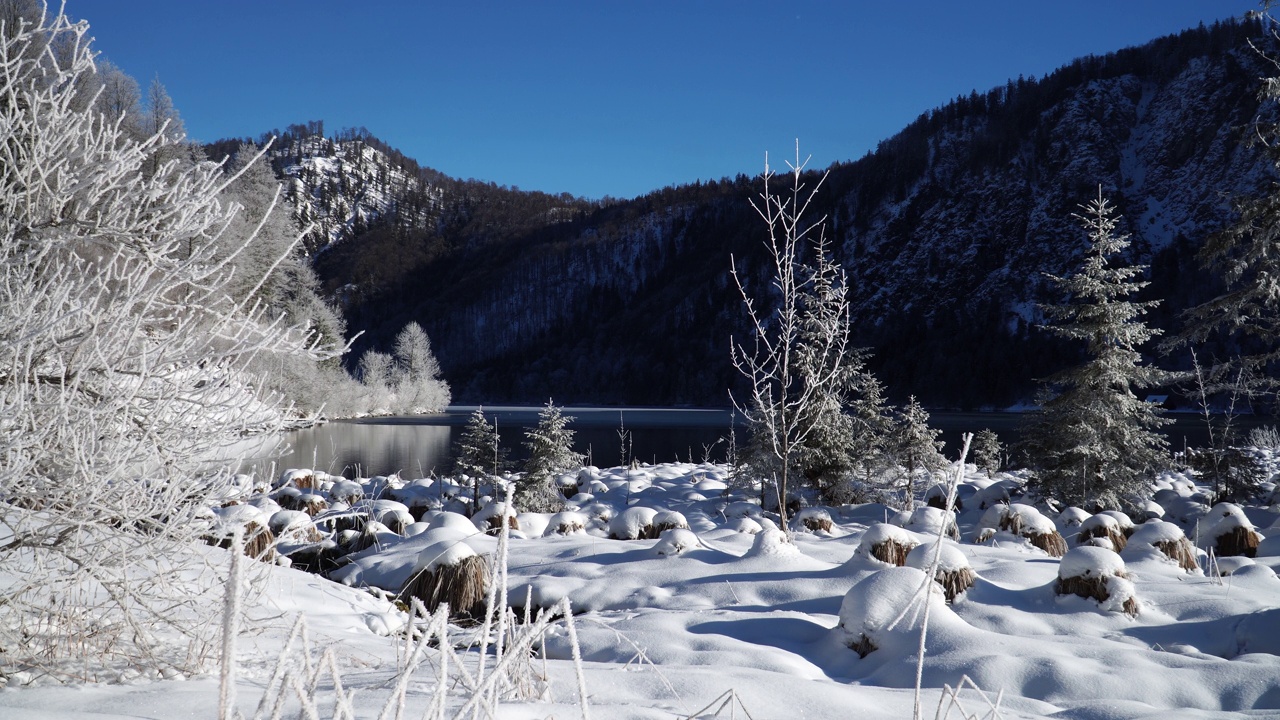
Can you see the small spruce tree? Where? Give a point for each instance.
(988, 451)
(479, 453)
(550, 446)
(1092, 441)
(916, 449)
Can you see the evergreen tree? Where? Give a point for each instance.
(988, 451)
(1092, 440)
(916, 449)
(550, 446)
(479, 453)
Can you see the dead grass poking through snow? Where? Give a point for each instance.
(892, 552)
(1095, 588)
(462, 585)
(956, 581)
(1240, 541)
(1181, 552)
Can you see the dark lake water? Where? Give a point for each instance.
(417, 445)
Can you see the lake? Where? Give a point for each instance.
(418, 445)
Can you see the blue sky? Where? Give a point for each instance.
(605, 98)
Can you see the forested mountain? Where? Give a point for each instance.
(945, 229)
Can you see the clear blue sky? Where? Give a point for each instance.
(605, 98)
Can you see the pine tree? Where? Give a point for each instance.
(550, 446)
(916, 449)
(988, 451)
(1092, 441)
(479, 453)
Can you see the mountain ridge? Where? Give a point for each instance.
(945, 229)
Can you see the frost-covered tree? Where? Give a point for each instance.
(1092, 441)
(988, 451)
(416, 377)
(127, 381)
(797, 359)
(290, 289)
(550, 446)
(479, 452)
(916, 450)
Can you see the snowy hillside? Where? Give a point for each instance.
(945, 229)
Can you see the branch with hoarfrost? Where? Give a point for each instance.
(127, 380)
(800, 348)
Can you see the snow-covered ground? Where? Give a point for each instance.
(723, 610)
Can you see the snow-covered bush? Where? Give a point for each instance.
(1104, 527)
(675, 541)
(1097, 573)
(813, 519)
(491, 516)
(449, 571)
(928, 520)
(669, 520)
(127, 378)
(1167, 539)
(566, 523)
(1231, 533)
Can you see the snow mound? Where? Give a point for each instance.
(772, 542)
(634, 523)
(675, 541)
(886, 604)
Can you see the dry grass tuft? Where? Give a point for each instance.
(954, 582)
(1180, 551)
(892, 552)
(259, 542)
(1051, 542)
(1112, 532)
(304, 482)
(494, 525)
(863, 646)
(1241, 541)
(1094, 588)
(658, 528)
(312, 505)
(463, 585)
(816, 524)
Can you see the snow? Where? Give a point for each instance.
(1091, 562)
(950, 558)
(667, 626)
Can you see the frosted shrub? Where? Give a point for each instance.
(128, 369)
(1266, 437)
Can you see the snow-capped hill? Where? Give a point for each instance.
(340, 188)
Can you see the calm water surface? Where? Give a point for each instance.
(421, 444)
